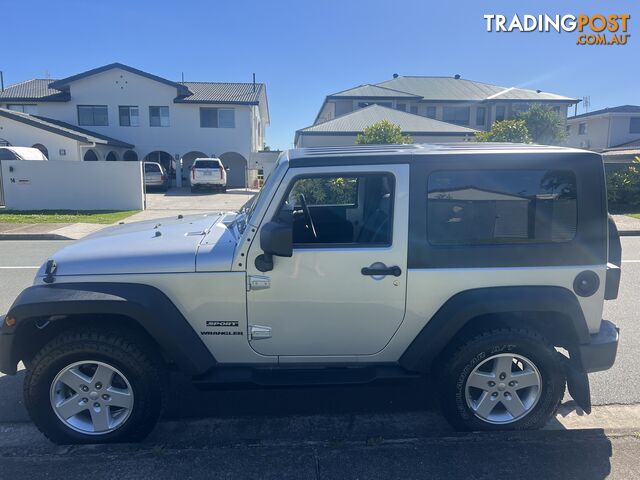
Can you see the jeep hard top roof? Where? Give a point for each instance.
(398, 153)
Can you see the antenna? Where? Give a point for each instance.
(586, 102)
(254, 82)
(182, 77)
(1, 81)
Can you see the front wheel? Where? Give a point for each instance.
(93, 386)
(506, 379)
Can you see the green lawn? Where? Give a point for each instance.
(64, 216)
(634, 215)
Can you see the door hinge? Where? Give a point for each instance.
(259, 332)
(258, 282)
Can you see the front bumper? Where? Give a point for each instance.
(600, 353)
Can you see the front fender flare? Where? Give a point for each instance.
(144, 304)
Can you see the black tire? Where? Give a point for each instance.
(130, 353)
(460, 363)
(193, 189)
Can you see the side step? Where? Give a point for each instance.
(310, 376)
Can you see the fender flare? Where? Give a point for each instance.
(463, 307)
(149, 307)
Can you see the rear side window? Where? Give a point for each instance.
(206, 164)
(479, 207)
(151, 168)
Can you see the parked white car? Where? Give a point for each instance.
(155, 176)
(208, 173)
(21, 153)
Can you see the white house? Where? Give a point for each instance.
(464, 105)
(117, 112)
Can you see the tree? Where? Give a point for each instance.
(382, 132)
(545, 125)
(514, 131)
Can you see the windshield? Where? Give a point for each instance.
(206, 164)
(245, 212)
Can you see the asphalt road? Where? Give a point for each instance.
(620, 385)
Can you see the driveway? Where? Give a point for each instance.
(181, 201)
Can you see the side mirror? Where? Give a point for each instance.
(275, 239)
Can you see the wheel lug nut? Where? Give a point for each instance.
(492, 384)
(84, 388)
(97, 405)
(105, 397)
(503, 376)
(494, 394)
(512, 383)
(98, 386)
(85, 400)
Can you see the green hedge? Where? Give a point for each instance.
(623, 188)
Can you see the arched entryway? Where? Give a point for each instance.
(187, 161)
(163, 158)
(42, 148)
(90, 156)
(130, 156)
(112, 157)
(236, 166)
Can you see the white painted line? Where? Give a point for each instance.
(19, 267)
(630, 261)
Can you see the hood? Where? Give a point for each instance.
(167, 245)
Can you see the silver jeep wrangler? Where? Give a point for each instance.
(484, 267)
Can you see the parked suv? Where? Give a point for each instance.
(155, 176)
(484, 266)
(208, 173)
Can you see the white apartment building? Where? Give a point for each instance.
(119, 113)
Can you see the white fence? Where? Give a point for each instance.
(69, 185)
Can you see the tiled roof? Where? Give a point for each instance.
(373, 91)
(37, 89)
(62, 128)
(452, 89)
(220, 92)
(619, 109)
(188, 92)
(358, 120)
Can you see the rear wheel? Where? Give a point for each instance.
(507, 379)
(94, 386)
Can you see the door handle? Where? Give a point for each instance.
(381, 271)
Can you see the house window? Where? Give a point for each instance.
(129, 116)
(93, 115)
(24, 108)
(634, 125)
(402, 107)
(582, 129)
(413, 109)
(481, 115)
(457, 115)
(431, 112)
(217, 118)
(501, 207)
(159, 116)
(500, 113)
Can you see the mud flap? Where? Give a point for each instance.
(578, 385)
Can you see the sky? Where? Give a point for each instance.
(306, 50)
